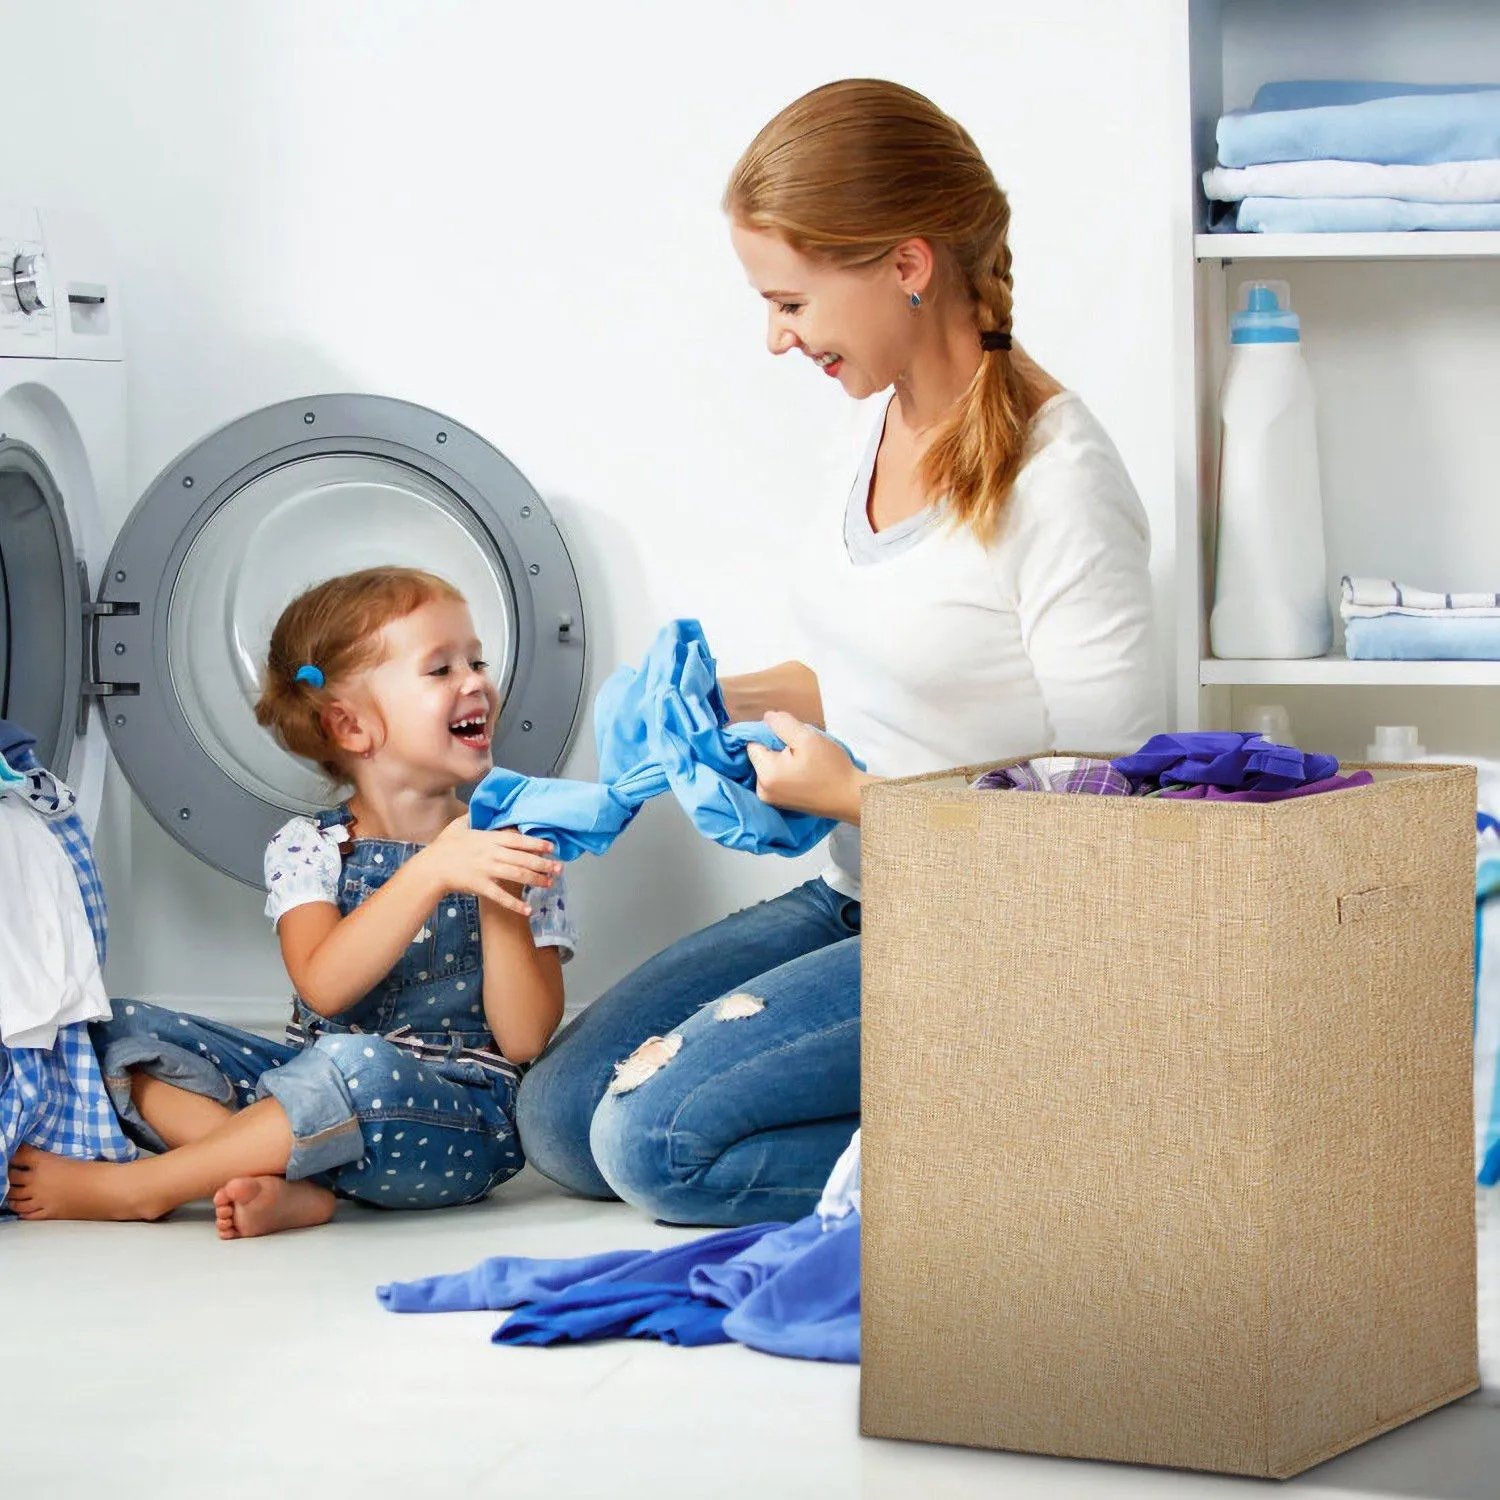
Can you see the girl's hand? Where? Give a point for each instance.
(493, 863)
(812, 775)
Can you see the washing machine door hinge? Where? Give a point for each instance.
(92, 686)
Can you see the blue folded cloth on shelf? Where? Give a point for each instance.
(1433, 637)
(1380, 122)
(1224, 759)
(657, 728)
(1359, 216)
(1316, 93)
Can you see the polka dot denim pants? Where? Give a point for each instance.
(411, 1121)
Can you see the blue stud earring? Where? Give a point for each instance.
(916, 301)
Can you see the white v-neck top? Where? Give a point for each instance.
(933, 649)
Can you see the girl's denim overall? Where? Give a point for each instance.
(402, 1100)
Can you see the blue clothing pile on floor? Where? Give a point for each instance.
(658, 728)
(53, 1097)
(790, 1289)
(1343, 157)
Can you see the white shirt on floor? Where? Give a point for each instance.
(934, 650)
(49, 968)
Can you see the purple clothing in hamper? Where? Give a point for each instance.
(1232, 762)
(1327, 784)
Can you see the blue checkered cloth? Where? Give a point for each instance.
(56, 1101)
(55, 801)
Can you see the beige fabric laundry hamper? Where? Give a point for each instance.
(1167, 1108)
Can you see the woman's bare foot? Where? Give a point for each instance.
(248, 1206)
(44, 1186)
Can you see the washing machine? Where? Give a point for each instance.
(133, 627)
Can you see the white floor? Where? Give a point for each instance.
(142, 1360)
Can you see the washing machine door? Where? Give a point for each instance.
(247, 519)
(42, 598)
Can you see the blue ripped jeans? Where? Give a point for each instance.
(400, 1101)
(738, 1113)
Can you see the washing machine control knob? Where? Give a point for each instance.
(29, 283)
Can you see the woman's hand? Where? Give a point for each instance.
(812, 775)
(494, 863)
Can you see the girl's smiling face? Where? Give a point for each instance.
(434, 702)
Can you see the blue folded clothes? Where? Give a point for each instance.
(657, 728)
(1229, 761)
(1387, 122)
(783, 1288)
(1359, 216)
(1422, 638)
(1316, 93)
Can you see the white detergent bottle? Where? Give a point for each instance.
(1271, 589)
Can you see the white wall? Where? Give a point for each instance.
(510, 214)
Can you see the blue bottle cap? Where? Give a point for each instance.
(1265, 316)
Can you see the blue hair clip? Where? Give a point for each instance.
(309, 674)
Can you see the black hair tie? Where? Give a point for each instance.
(994, 340)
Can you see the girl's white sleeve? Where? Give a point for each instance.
(552, 923)
(302, 866)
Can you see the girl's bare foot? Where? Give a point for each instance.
(44, 1186)
(247, 1206)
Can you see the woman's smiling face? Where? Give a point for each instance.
(855, 323)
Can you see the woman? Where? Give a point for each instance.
(984, 592)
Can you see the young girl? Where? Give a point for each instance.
(426, 956)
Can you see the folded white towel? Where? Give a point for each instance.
(1439, 182)
(1364, 598)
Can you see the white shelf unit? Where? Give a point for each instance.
(1339, 671)
(1402, 336)
(1457, 245)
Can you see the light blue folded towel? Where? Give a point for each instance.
(1315, 93)
(1359, 215)
(1413, 638)
(1382, 122)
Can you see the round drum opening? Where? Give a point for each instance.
(242, 522)
(284, 531)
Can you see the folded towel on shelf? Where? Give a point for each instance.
(1437, 637)
(1370, 597)
(1392, 123)
(1360, 216)
(1314, 93)
(1436, 182)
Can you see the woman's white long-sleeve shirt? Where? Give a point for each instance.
(933, 649)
